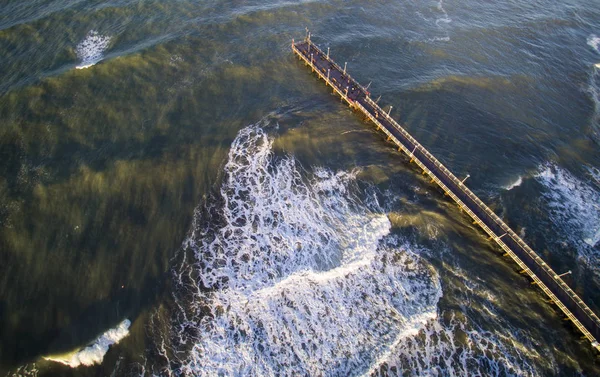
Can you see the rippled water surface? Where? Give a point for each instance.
(180, 196)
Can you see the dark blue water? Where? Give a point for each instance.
(180, 196)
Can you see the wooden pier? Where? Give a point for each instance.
(358, 98)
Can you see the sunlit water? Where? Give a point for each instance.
(194, 202)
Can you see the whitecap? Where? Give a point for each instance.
(91, 50)
(94, 353)
(594, 42)
(444, 18)
(514, 184)
(438, 16)
(594, 174)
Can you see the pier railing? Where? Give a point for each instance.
(529, 262)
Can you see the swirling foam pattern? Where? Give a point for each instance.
(301, 279)
(297, 276)
(574, 207)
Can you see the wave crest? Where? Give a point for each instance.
(94, 353)
(91, 50)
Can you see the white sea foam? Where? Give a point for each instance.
(594, 92)
(437, 39)
(434, 15)
(457, 349)
(91, 50)
(574, 207)
(444, 18)
(29, 370)
(514, 184)
(296, 276)
(594, 87)
(595, 175)
(94, 353)
(594, 42)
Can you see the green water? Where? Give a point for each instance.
(102, 168)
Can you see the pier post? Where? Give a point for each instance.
(327, 82)
(412, 154)
(345, 64)
(327, 53)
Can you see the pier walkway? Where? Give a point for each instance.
(358, 98)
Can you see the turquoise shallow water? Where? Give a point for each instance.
(120, 181)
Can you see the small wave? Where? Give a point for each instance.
(594, 87)
(438, 16)
(594, 174)
(445, 18)
(594, 42)
(91, 49)
(94, 353)
(514, 184)
(437, 39)
(575, 207)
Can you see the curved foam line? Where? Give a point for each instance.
(94, 353)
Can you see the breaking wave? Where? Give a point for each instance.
(574, 207)
(94, 353)
(514, 184)
(292, 274)
(91, 50)
(297, 278)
